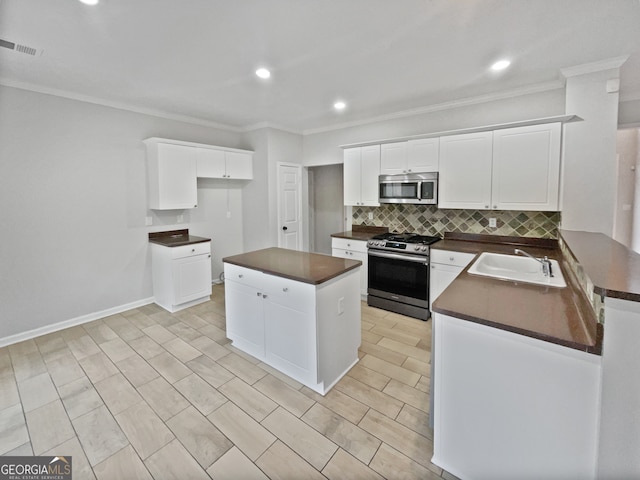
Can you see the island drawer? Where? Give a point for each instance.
(448, 257)
(349, 244)
(243, 275)
(191, 250)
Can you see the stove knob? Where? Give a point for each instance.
(424, 249)
(416, 247)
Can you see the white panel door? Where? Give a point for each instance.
(191, 278)
(210, 163)
(289, 206)
(465, 171)
(239, 165)
(352, 179)
(245, 317)
(526, 168)
(393, 158)
(369, 173)
(178, 186)
(423, 155)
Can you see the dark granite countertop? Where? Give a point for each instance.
(613, 268)
(314, 268)
(558, 315)
(175, 238)
(361, 232)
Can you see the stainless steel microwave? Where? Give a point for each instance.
(421, 188)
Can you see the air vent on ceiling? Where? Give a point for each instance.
(18, 47)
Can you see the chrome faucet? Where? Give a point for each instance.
(545, 262)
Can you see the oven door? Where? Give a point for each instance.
(399, 277)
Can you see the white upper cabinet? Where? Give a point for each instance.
(465, 171)
(393, 158)
(413, 156)
(224, 164)
(526, 168)
(172, 176)
(507, 169)
(361, 171)
(423, 155)
(174, 167)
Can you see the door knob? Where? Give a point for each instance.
(284, 228)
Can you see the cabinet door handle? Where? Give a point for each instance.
(259, 294)
(209, 256)
(285, 289)
(495, 207)
(486, 206)
(240, 275)
(264, 296)
(451, 259)
(193, 250)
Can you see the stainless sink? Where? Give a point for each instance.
(517, 269)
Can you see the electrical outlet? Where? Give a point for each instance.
(492, 223)
(370, 215)
(180, 218)
(340, 305)
(148, 221)
(228, 213)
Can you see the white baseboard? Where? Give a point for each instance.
(36, 332)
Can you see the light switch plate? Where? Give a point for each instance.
(148, 221)
(492, 223)
(180, 218)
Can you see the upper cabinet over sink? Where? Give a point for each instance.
(507, 169)
(174, 167)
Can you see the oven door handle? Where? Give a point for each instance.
(396, 256)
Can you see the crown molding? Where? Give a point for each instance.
(490, 97)
(118, 105)
(275, 126)
(593, 67)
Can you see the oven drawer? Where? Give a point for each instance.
(349, 244)
(448, 257)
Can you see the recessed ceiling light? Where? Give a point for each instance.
(90, 2)
(263, 73)
(500, 65)
(339, 105)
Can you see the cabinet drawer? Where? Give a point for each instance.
(447, 257)
(298, 296)
(349, 244)
(191, 250)
(243, 275)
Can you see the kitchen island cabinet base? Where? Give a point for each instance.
(308, 332)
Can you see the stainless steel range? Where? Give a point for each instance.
(399, 273)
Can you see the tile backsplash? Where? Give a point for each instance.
(430, 220)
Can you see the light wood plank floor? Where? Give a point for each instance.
(147, 394)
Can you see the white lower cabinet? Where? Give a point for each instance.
(181, 275)
(446, 265)
(353, 250)
(510, 406)
(308, 332)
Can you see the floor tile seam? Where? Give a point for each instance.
(73, 427)
(370, 407)
(292, 447)
(129, 440)
(393, 365)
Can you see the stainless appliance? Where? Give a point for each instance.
(399, 273)
(421, 188)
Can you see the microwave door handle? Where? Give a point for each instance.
(419, 192)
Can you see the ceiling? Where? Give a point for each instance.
(197, 58)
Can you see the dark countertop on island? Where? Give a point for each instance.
(314, 268)
(175, 238)
(558, 315)
(613, 268)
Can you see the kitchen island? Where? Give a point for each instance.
(298, 312)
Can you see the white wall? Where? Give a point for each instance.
(323, 148)
(73, 200)
(629, 113)
(260, 197)
(589, 172)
